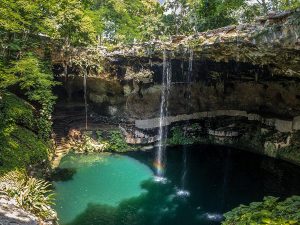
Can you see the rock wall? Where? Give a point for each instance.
(278, 124)
(10, 214)
(250, 71)
(272, 41)
(278, 99)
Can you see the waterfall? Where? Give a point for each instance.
(189, 79)
(182, 191)
(191, 59)
(85, 100)
(165, 90)
(149, 54)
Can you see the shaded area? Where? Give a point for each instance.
(10, 213)
(158, 206)
(218, 179)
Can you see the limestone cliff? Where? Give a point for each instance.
(251, 70)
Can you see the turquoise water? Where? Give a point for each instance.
(201, 183)
(103, 179)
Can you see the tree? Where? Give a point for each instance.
(37, 82)
(212, 14)
(276, 5)
(188, 16)
(124, 21)
(179, 16)
(72, 23)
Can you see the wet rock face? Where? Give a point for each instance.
(132, 100)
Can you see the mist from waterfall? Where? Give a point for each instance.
(182, 191)
(160, 159)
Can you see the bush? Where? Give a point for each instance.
(20, 146)
(117, 142)
(292, 152)
(22, 149)
(87, 145)
(102, 141)
(270, 211)
(30, 193)
(178, 137)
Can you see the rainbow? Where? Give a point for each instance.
(159, 167)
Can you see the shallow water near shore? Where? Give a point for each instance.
(112, 189)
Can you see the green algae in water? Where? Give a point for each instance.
(104, 179)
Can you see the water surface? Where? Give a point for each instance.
(120, 189)
(99, 179)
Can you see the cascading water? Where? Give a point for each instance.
(85, 100)
(149, 54)
(166, 84)
(182, 191)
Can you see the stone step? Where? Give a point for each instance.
(61, 151)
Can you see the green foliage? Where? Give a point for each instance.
(179, 18)
(20, 15)
(117, 142)
(124, 21)
(114, 141)
(14, 110)
(178, 137)
(89, 22)
(291, 152)
(20, 147)
(276, 5)
(72, 23)
(37, 83)
(103, 141)
(6, 79)
(270, 211)
(213, 14)
(30, 193)
(24, 133)
(188, 16)
(89, 145)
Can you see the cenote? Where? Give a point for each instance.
(149, 112)
(120, 189)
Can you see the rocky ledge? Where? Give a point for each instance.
(272, 41)
(12, 214)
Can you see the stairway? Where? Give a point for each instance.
(60, 129)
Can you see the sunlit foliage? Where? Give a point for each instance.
(30, 193)
(270, 211)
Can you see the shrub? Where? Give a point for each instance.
(87, 144)
(103, 141)
(270, 211)
(30, 193)
(21, 146)
(22, 149)
(117, 142)
(178, 137)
